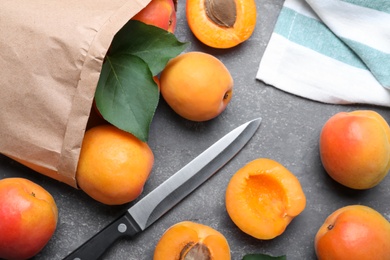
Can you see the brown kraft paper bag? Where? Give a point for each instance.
(51, 57)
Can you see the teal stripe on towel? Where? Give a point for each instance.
(380, 66)
(379, 5)
(314, 35)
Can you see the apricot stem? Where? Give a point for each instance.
(330, 227)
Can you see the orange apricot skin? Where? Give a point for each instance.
(28, 218)
(263, 197)
(182, 234)
(355, 148)
(114, 165)
(197, 86)
(160, 13)
(216, 36)
(353, 232)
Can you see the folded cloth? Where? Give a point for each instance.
(332, 51)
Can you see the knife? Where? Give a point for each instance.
(155, 204)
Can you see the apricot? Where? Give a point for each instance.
(353, 232)
(263, 197)
(188, 240)
(28, 218)
(196, 85)
(221, 23)
(355, 148)
(160, 13)
(113, 165)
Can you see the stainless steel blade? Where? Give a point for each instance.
(182, 183)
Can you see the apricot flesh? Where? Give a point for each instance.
(221, 23)
(189, 240)
(355, 148)
(354, 232)
(263, 197)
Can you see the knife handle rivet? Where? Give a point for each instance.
(77, 258)
(122, 228)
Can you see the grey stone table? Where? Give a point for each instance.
(289, 134)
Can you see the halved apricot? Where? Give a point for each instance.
(221, 23)
(189, 240)
(263, 197)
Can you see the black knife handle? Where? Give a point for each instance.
(95, 247)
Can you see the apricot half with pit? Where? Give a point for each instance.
(221, 23)
(190, 240)
(263, 197)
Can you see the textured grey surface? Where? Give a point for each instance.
(289, 134)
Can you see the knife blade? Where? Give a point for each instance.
(155, 204)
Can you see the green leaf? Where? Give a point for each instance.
(152, 44)
(263, 257)
(126, 94)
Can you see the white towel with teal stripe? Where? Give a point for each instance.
(331, 51)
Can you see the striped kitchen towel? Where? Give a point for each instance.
(332, 51)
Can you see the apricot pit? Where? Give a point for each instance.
(221, 12)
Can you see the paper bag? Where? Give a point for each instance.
(51, 56)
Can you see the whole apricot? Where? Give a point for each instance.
(263, 197)
(221, 23)
(28, 218)
(196, 85)
(113, 165)
(355, 148)
(189, 240)
(354, 232)
(160, 13)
